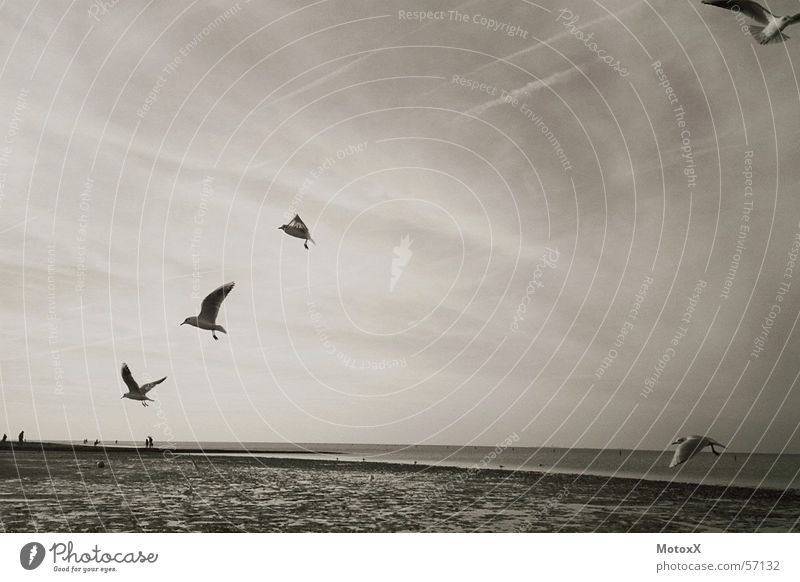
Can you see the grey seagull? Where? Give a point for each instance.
(136, 392)
(210, 309)
(688, 447)
(772, 29)
(298, 229)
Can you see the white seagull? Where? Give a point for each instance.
(298, 229)
(210, 309)
(772, 31)
(688, 447)
(136, 392)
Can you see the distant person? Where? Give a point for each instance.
(96, 442)
(86, 441)
(21, 437)
(116, 442)
(5, 437)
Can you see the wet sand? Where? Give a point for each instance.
(136, 491)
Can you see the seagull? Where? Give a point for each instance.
(688, 447)
(210, 309)
(298, 229)
(135, 392)
(772, 31)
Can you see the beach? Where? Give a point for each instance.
(64, 490)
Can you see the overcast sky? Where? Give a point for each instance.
(477, 257)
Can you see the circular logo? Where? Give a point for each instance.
(31, 555)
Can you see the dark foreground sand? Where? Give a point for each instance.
(63, 491)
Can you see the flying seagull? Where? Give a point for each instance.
(772, 31)
(210, 309)
(298, 229)
(136, 392)
(688, 447)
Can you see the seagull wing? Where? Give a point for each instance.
(713, 444)
(212, 303)
(150, 385)
(686, 450)
(127, 377)
(298, 223)
(747, 7)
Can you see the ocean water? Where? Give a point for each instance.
(64, 491)
(731, 469)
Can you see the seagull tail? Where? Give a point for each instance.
(775, 39)
(757, 32)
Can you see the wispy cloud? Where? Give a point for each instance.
(526, 90)
(553, 39)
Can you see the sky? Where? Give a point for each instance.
(569, 221)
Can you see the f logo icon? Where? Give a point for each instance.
(31, 555)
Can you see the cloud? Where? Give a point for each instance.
(526, 90)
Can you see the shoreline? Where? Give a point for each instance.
(45, 446)
(267, 458)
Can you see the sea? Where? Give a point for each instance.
(332, 487)
(731, 469)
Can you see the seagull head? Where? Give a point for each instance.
(282, 227)
(678, 441)
(124, 396)
(185, 321)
